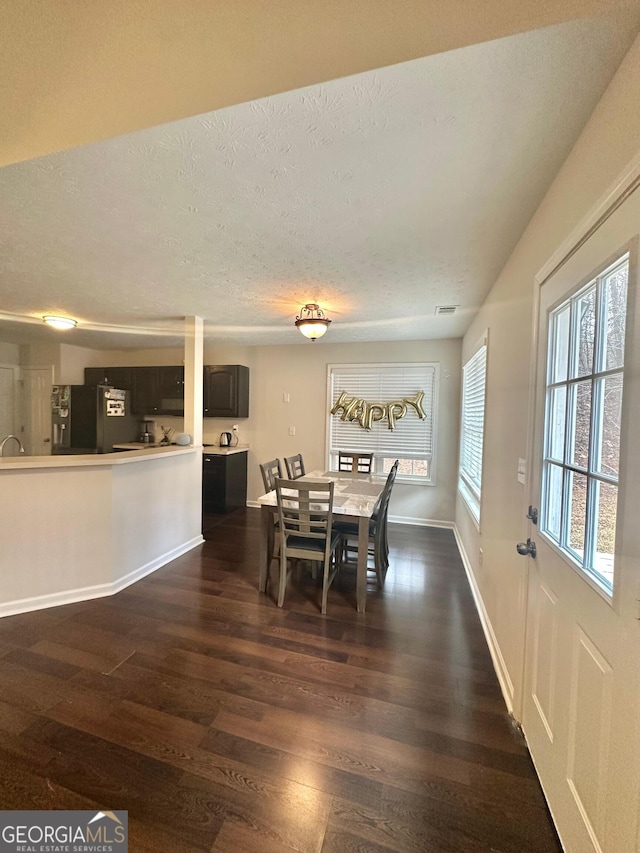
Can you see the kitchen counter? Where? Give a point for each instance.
(141, 453)
(82, 527)
(216, 450)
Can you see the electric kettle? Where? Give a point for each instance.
(225, 439)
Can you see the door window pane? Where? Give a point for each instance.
(557, 412)
(577, 513)
(615, 307)
(554, 501)
(610, 391)
(580, 422)
(560, 345)
(585, 326)
(606, 507)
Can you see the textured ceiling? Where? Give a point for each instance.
(380, 196)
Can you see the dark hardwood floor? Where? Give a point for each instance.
(222, 723)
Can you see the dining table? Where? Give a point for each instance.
(354, 499)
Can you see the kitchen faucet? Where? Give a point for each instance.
(5, 440)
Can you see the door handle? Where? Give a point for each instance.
(527, 548)
(46, 440)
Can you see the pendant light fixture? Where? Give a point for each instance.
(60, 323)
(311, 321)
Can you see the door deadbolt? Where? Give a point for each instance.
(532, 515)
(527, 548)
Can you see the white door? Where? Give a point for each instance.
(36, 410)
(581, 713)
(8, 419)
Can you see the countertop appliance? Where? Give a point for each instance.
(90, 419)
(147, 432)
(225, 439)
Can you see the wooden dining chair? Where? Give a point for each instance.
(305, 515)
(357, 463)
(269, 471)
(378, 541)
(295, 466)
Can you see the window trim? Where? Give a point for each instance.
(471, 500)
(411, 479)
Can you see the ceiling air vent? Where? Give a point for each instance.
(445, 310)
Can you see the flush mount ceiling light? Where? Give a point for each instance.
(311, 321)
(60, 323)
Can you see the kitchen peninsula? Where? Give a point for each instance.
(86, 526)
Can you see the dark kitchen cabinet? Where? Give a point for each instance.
(224, 482)
(171, 388)
(146, 391)
(226, 391)
(154, 390)
(118, 377)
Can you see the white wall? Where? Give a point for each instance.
(608, 143)
(9, 353)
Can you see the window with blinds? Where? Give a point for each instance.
(412, 441)
(474, 376)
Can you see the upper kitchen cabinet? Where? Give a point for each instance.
(226, 391)
(145, 399)
(117, 377)
(158, 390)
(171, 388)
(154, 390)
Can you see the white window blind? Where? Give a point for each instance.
(412, 437)
(474, 375)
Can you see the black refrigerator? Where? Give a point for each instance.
(90, 419)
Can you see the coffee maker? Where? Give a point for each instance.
(147, 432)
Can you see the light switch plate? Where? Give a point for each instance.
(522, 471)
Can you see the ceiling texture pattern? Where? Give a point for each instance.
(380, 196)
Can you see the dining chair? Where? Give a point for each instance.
(305, 514)
(269, 471)
(378, 541)
(295, 466)
(357, 463)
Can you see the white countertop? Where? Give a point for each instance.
(13, 463)
(216, 450)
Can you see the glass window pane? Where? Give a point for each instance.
(615, 302)
(415, 467)
(554, 501)
(610, 415)
(555, 426)
(421, 467)
(577, 513)
(606, 503)
(559, 345)
(585, 327)
(580, 397)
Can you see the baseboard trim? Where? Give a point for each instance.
(421, 522)
(506, 685)
(87, 593)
